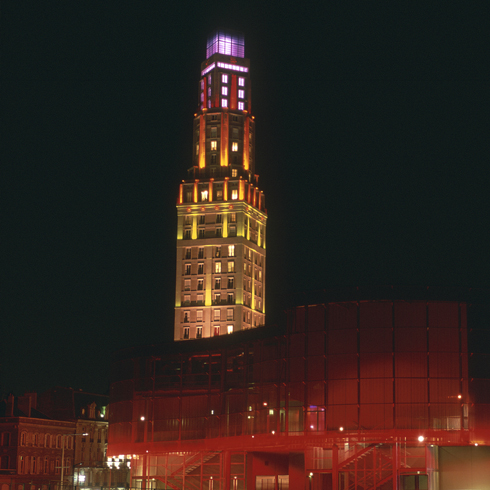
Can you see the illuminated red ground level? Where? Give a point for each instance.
(350, 395)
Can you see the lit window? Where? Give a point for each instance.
(216, 330)
(209, 104)
(202, 84)
(214, 145)
(241, 94)
(234, 194)
(241, 81)
(200, 299)
(187, 269)
(187, 285)
(234, 146)
(219, 195)
(199, 315)
(209, 79)
(234, 172)
(229, 328)
(231, 250)
(200, 268)
(224, 102)
(199, 333)
(202, 96)
(224, 78)
(217, 267)
(197, 149)
(217, 315)
(187, 299)
(224, 90)
(231, 266)
(200, 284)
(241, 106)
(186, 333)
(204, 195)
(209, 91)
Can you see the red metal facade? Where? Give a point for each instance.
(351, 395)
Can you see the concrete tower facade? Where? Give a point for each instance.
(221, 230)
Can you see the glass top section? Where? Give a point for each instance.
(225, 41)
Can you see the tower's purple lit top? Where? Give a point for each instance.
(227, 42)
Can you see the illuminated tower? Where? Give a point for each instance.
(220, 283)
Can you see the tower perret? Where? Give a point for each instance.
(220, 279)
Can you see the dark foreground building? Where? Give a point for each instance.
(359, 390)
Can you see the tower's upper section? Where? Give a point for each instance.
(224, 133)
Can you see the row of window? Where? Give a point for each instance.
(219, 298)
(217, 267)
(46, 440)
(35, 465)
(212, 218)
(216, 331)
(217, 313)
(190, 253)
(216, 233)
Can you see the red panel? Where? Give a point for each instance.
(444, 390)
(297, 345)
(443, 314)
(410, 390)
(411, 416)
(316, 368)
(342, 416)
(410, 314)
(411, 364)
(342, 391)
(342, 341)
(376, 416)
(316, 343)
(299, 323)
(342, 316)
(316, 317)
(444, 365)
(375, 315)
(410, 340)
(443, 339)
(342, 366)
(315, 393)
(376, 391)
(297, 369)
(376, 365)
(376, 340)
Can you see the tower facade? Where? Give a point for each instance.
(221, 216)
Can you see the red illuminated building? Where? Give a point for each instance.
(362, 390)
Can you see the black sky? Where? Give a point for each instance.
(372, 146)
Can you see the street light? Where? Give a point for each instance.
(63, 454)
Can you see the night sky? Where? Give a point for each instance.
(372, 146)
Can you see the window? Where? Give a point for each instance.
(231, 299)
(187, 234)
(234, 146)
(224, 78)
(214, 132)
(202, 233)
(231, 250)
(186, 333)
(187, 299)
(199, 333)
(241, 94)
(217, 315)
(231, 266)
(231, 283)
(229, 328)
(219, 195)
(200, 284)
(241, 106)
(241, 82)
(217, 267)
(234, 132)
(217, 283)
(232, 231)
(197, 149)
(200, 299)
(224, 102)
(217, 251)
(214, 145)
(187, 220)
(209, 102)
(234, 194)
(233, 217)
(209, 91)
(200, 268)
(187, 316)
(216, 330)
(224, 90)
(234, 172)
(218, 232)
(213, 159)
(199, 316)
(187, 269)
(188, 253)
(204, 195)
(217, 298)
(202, 219)
(200, 253)
(229, 314)
(209, 79)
